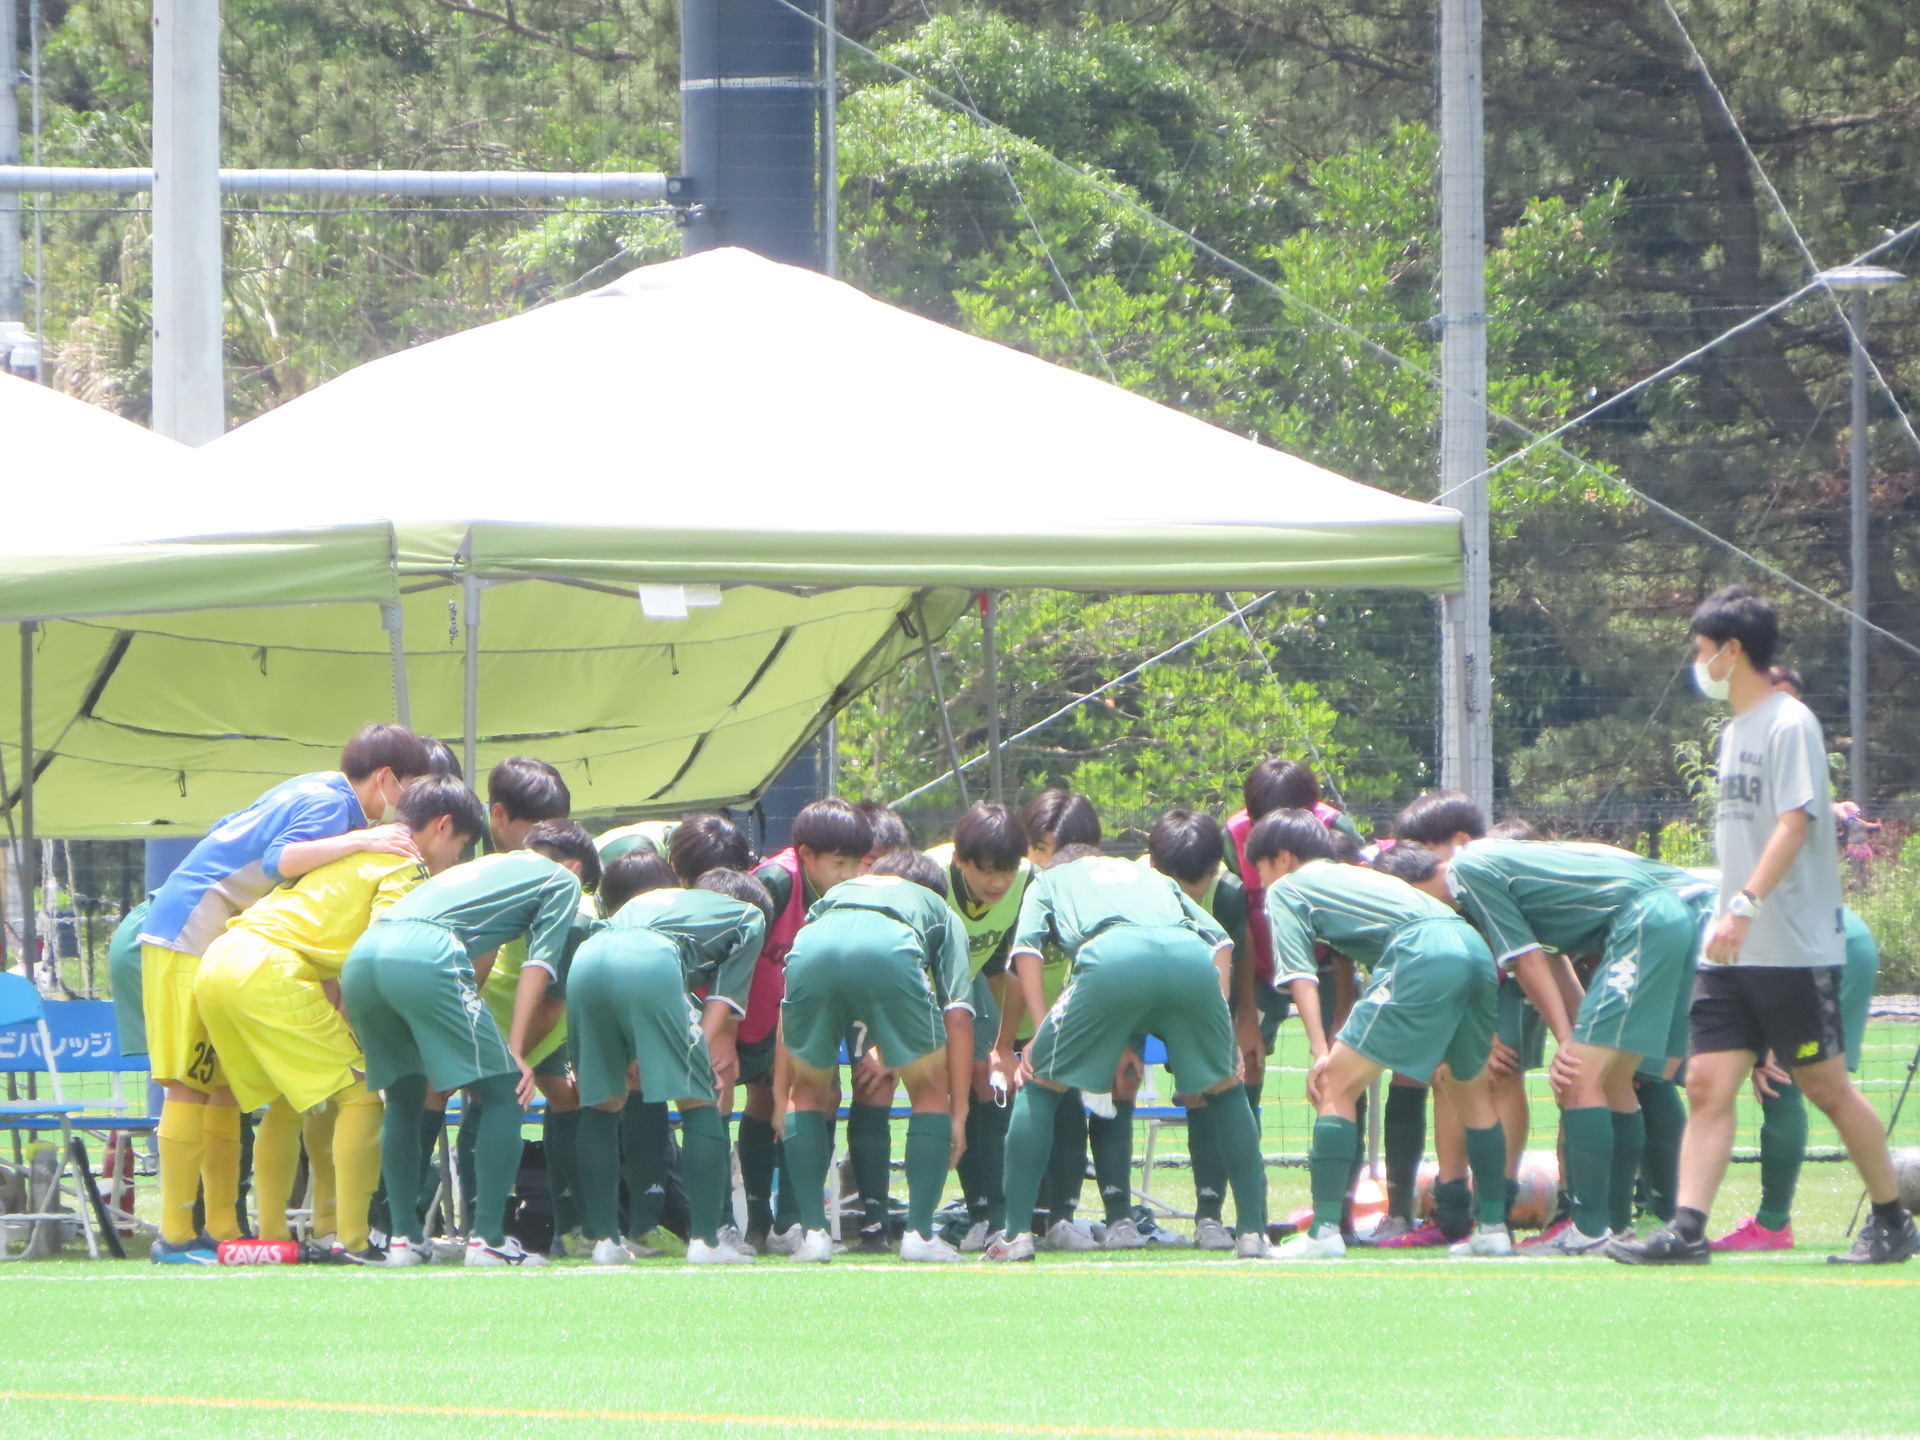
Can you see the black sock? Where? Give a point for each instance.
(1689, 1224)
(1890, 1213)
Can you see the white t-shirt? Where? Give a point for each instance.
(1773, 760)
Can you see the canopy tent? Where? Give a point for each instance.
(831, 476)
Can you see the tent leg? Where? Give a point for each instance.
(940, 699)
(470, 722)
(989, 615)
(391, 617)
(28, 857)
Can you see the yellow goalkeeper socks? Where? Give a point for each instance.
(316, 1130)
(356, 1160)
(276, 1157)
(220, 1169)
(180, 1134)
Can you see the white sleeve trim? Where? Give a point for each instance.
(546, 965)
(960, 1005)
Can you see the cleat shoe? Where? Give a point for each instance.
(1486, 1242)
(569, 1246)
(701, 1253)
(402, 1252)
(872, 1241)
(1162, 1238)
(611, 1252)
(918, 1248)
(1877, 1244)
(1391, 1227)
(1000, 1247)
(1569, 1239)
(507, 1252)
(1210, 1234)
(1750, 1234)
(1546, 1237)
(732, 1239)
(1664, 1246)
(976, 1239)
(815, 1247)
(1253, 1246)
(1065, 1235)
(197, 1251)
(785, 1242)
(1321, 1242)
(1123, 1235)
(1424, 1236)
(448, 1247)
(658, 1241)
(372, 1255)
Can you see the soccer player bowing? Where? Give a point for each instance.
(885, 949)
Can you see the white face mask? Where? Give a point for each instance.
(1703, 678)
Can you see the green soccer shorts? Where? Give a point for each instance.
(859, 965)
(1638, 998)
(756, 1058)
(415, 1009)
(1127, 981)
(129, 999)
(1436, 1004)
(627, 1000)
(1519, 1025)
(986, 1018)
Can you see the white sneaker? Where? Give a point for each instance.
(611, 1252)
(1570, 1241)
(1124, 1235)
(1212, 1235)
(701, 1253)
(448, 1247)
(1391, 1227)
(1321, 1242)
(1065, 1235)
(1486, 1240)
(917, 1247)
(999, 1247)
(785, 1242)
(508, 1252)
(1251, 1246)
(402, 1252)
(976, 1239)
(730, 1238)
(815, 1247)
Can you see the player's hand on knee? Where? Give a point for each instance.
(1317, 1078)
(1564, 1070)
(1503, 1060)
(529, 1087)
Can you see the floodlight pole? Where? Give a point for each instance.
(1466, 681)
(189, 389)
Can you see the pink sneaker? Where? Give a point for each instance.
(1547, 1236)
(1421, 1237)
(1750, 1234)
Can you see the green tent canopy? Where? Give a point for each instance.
(692, 513)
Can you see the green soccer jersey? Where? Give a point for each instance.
(489, 901)
(719, 938)
(1227, 903)
(942, 938)
(654, 835)
(1529, 894)
(989, 927)
(1070, 906)
(1355, 910)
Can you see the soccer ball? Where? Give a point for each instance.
(1906, 1169)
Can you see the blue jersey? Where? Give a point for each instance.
(239, 861)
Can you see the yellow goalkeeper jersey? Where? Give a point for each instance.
(321, 914)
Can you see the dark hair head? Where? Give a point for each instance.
(1064, 815)
(890, 832)
(385, 747)
(1346, 849)
(1440, 815)
(833, 827)
(1409, 861)
(1279, 785)
(1513, 828)
(1292, 832)
(1736, 613)
(634, 873)
(1786, 675)
(1067, 854)
(724, 880)
(529, 789)
(567, 840)
(1186, 845)
(912, 865)
(440, 758)
(429, 797)
(988, 836)
(707, 842)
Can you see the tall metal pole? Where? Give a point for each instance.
(1857, 627)
(470, 708)
(12, 275)
(29, 857)
(990, 645)
(392, 617)
(189, 390)
(1466, 634)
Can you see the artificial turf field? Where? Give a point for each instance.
(1169, 1345)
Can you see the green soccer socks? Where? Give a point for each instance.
(929, 1147)
(1238, 1134)
(703, 1156)
(400, 1144)
(1029, 1145)
(1487, 1159)
(809, 1151)
(560, 1133)
(983, 1169)
(757, 1157)
(1404, 1141)
(1336, 1143)
(1783, 1145)
(870, 1150)
(1629, 1140)
(1664, 1115)
(645, 1133)
(1066, 1163)
(1209, 1170)
(1589, 1166)
(597, 1145)
(1112, 1142)
(496, 1155)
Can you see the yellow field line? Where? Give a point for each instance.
(696, 1418)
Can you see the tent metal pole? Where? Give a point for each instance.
(996, 778)
(391, 617)
(28, 848)
(940, 699)
(470, 721)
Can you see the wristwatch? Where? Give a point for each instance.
(1743, 906)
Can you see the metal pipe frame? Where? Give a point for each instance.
(388, 184)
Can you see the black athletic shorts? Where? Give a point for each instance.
(1794, 1012)
(756, 1058)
